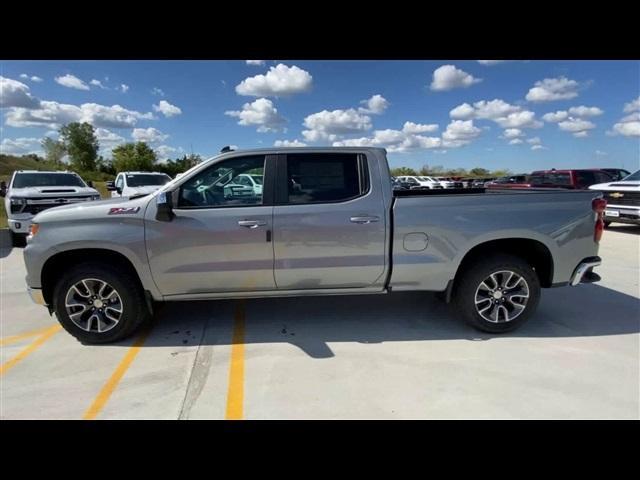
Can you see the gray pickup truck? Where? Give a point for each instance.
(326, 222)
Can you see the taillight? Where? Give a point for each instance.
(598, 205)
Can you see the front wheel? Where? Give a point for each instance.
(97, 303)
(497, 294)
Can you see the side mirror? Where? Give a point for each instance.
(3, 189)
(110, 186)
(164, 203)
(90, 183)
(119, 190)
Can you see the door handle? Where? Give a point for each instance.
(364, 219)
(252, 223)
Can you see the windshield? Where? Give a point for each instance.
(634, 176)
(142, 180)
(23, 180)
(257, 179)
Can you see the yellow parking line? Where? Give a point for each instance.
(235, 392)
(108, 388)
(31, 348)
(21, 336)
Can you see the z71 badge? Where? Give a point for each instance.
(123, 210)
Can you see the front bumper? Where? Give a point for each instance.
(19, 225)
(37, 296)
(622, 214)
(584, 271)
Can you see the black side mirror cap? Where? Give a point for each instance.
(3, 188)
(164, 204)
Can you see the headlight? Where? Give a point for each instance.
(95, 197)
(17, 201)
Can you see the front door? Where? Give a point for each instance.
(220, 237)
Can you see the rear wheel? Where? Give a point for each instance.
(97, 303)
(497, 294)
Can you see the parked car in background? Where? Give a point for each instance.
(623, 199)
(448, 182)
(511, 181)
(572, 179)
(420, 182)
(617, 173)
(328, 224)
(481, 182)
(128, 184)
(252, 181)
(399, 185)
(30, 192)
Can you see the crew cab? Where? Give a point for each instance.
(32, 191)
(623, 199)
(327, 222)
(575, 179)
(128, 184)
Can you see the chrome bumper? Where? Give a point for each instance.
(584, 269)
(36, 295)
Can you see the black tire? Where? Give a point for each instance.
(134, 307)
(18, 239)
(470, 279)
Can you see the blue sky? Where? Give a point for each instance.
(520, 115)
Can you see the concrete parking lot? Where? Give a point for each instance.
(398, 356)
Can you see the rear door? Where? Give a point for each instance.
(329, 222)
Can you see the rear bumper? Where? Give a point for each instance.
(584, 271)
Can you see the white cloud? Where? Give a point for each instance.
(279, 81)
(534, 141)
(629, 125)
(260, 113)
(410, 127)
(16, 94)
(289, 143)
(459, 133)
(377, 104)
(550, 89)
(123, 88)
(516, 141)
(33, 78)
(632, 106)
(600, 153)
(166, 151)
(583, 111)
(331, 125)
(53, 115)
(149, 135)
(513, 133)
(20, 146)
(71, 81)
(489, 63)
(448, 77)
(157, 91)
(167, 109)
(255, 62)
(108, 140)
(577, 126)
(499, 111)
(97, 83)
(538, 147)
(554, 117)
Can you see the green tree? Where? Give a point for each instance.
(503, 172)
(479, 172)
(402, 171)
(81, 144)
(134, 156)
(54, 150)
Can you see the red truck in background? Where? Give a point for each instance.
(512, 181)
(573, 179)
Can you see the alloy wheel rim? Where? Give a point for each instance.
(94, 305)
(502, 296)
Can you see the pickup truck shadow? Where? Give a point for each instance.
(312, 324)
(619, 227)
